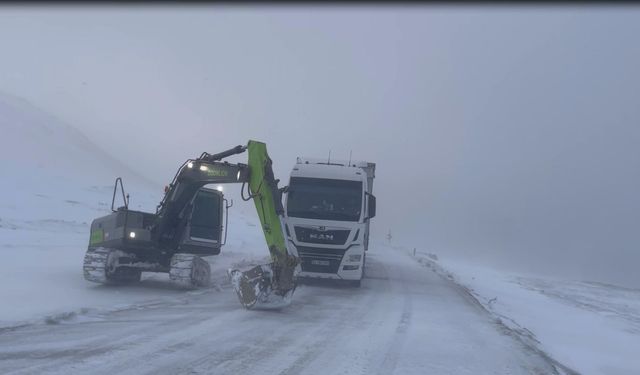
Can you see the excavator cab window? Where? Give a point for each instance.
(206, 217)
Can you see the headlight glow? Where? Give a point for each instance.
(189, 165)
(204, 168)
(219, 188)
(132, 234)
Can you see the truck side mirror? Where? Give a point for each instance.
(371, 203)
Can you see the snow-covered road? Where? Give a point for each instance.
(405, 319)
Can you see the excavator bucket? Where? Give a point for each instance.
(255, 288)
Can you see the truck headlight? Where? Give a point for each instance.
(132, 234)
(355, 258)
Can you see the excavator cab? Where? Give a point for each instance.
(204, 226)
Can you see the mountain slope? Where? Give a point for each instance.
(54, 182)
(35, 139)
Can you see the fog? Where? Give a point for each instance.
(507, 136)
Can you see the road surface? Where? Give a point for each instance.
(405, 319)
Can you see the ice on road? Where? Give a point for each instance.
(405, 319)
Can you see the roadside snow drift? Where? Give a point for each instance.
(592, 328)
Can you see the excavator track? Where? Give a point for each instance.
(101, 266)
(190, 270)
(96, 264)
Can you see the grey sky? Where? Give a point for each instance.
(501, 134)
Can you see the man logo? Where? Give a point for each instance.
(321, 236)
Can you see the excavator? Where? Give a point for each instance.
(187, 226)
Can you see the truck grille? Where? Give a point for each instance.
(327, 237)
(320, 260)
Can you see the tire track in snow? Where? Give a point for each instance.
(394, 349)
(403, 320)
(108, 339)
(331, 331)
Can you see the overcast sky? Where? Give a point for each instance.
(501, 134)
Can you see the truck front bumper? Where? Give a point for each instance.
(322, 263)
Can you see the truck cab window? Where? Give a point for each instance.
(324, 199)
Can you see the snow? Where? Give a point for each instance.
(404, 319)
(592, 328)
(55, 183)
(413, 314)
(42, 256)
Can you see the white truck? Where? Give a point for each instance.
(328, 208)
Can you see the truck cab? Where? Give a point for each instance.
(328, 209)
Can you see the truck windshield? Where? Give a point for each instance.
(324, 199)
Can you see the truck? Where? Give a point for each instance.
(329, 205)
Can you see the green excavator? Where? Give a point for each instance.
(188, 225)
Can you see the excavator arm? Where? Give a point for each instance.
(265, 286)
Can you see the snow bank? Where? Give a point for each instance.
(591, 328)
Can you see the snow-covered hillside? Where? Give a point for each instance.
(36, 141)
(54, 182)
(51, 171)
